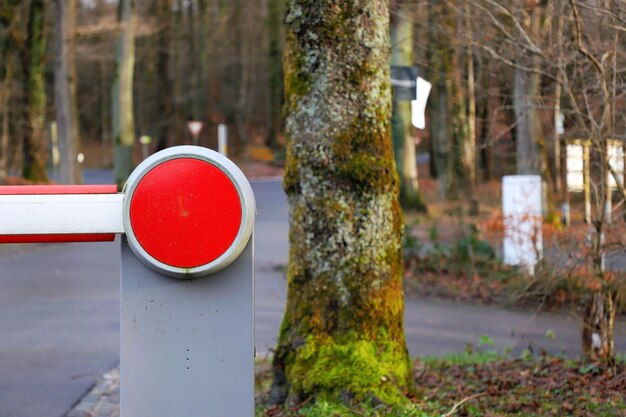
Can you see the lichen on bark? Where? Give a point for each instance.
(342, 335)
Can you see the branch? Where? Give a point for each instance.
(512, 64)
(618, 181)
(583, 50)
(460, 403)
(507, 12)
(531, 48)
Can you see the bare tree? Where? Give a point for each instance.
(584, 64)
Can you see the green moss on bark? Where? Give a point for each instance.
(354, 369)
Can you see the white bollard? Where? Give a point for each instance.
(222, 139)
(521, 209)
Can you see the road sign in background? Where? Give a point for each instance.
(403, 82)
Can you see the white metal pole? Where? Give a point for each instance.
(222, 139)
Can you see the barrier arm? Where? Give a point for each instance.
(60, 213)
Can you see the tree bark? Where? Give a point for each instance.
(65, 92)
(4, 128)
(275, 12)
(122, 120)
(402, 54)
(487, 121)
(439, 127)
(5, 94)
(598, 327)
(469, 148)
(531, 151)
(528, 130)
(342, 336)
(449, 130)
(33, 64)
(165, 98)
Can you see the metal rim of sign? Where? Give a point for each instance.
(246, 198)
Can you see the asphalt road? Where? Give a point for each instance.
(59, 314)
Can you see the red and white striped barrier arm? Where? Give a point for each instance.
(60, 213)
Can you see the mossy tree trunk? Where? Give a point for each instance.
(342, 336)
(402, 22)
(33, 64)
(122, 120)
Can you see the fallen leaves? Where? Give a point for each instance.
(544, 387)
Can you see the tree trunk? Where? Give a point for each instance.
(275, 12)
(5, 111)
(469, 149)
(526, 129)
(531, 149)
(33, 64)
(204, 27)
(526, 85)
(123, 129)
(165, 98)
(342, 336)
(449, 131)
(402, 54)
(65, 92)
(192, 56)
(598, 327)
(4, 133)
(440, 131)
(486, 122)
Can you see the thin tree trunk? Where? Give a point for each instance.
(460, 148)
(470, 142)
(165, 99)
(194, 77)
(5, 111)
(531, 149)
(65, 92)
(275, 12)
(123, 126)
(33, 64)
(342, 333)
(527, 151)
(203, 55)
(440, 129)
(450, 130)
(526, 85)
(402, 54)
(486, 122)
(4, 135)
(598, 327)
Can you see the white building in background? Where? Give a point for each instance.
(576, 165)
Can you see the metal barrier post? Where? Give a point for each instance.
(187, 293)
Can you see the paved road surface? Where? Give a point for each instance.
(59, 315)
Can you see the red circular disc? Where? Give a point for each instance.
(185, 212)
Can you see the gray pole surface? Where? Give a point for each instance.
(187, 346)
